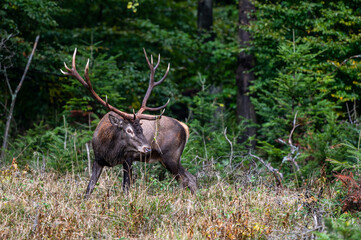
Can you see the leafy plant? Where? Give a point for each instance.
(62, 148)
(210, 143)
(340, 228)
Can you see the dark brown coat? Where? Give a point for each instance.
(166, 137)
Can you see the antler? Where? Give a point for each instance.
(152, 84)
(87, 84)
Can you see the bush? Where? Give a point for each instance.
(341, 228)
(61, 149)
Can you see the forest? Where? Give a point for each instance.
(270, 92)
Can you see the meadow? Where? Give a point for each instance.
(46, 205)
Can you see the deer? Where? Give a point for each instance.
(122, 138)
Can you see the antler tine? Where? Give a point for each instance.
(86, 74)
(67, 68)
(164, 77)
(152, 84)
(146, 57)
(161, 113)
(106, 101)
(156, 66)
(148, 117)
(73, 72)
(152, 70)
(145, 108)
(158, 108)
(65, 73)
(134, 114)
(73, 62)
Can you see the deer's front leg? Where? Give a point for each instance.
(97, 170)
(127, 174)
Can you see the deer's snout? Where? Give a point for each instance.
(147, 149)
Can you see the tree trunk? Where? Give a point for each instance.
(205, 18)
(244, 76)
(205, 24)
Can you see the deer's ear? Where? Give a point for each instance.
(115, 121)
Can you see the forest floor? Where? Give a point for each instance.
(45, 205)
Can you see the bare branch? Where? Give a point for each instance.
(88, 155)
(231, 144)
(349, 114)
(344, 62)
(8, 82)
(13, 100)
(295, 125)
(292, 156)
(277, 174)
(27, 65)
(5, 108)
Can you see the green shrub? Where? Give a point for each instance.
(341, 228)
(61, 149)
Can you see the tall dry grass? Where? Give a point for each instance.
(40, 205)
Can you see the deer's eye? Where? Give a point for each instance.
(129, 131)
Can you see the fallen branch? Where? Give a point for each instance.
(277, 174)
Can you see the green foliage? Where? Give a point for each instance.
(28, 16)
(61, 149)
(113, 38)
(330, 29)
(341, 228)
(298, 90)
(298, 87)
(299, 50)
(347, 154)
(208, 125)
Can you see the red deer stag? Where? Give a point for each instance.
(121, 138)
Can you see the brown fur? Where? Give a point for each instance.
(186, 129)
(167, 138)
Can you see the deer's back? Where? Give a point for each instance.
(166, 135)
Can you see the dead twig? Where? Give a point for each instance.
(294, 153)
(231, 144)
(88, 155)
(344, 62)
(36, 220)
(277, 174)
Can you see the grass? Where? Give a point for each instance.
(35, 205)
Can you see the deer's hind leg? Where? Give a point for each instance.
(183, 177)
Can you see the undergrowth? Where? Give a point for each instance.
(47, 205)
